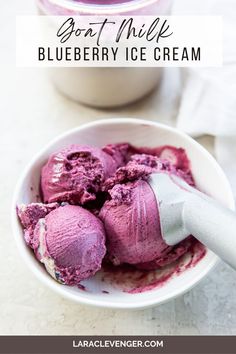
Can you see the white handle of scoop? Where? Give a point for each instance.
(212, 224)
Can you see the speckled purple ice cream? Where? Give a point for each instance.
(68, 240)
(76, 173)
(131, 216)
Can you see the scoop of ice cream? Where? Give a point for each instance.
(142, 165)
(177, 157)
(77, 173)
(132, 224)
(70, 241)
(131, 217)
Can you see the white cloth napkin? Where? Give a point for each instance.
(208, 101)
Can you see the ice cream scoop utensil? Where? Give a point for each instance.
(185, 211)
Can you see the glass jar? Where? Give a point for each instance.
(105, 87)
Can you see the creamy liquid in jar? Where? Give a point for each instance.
(105, 87)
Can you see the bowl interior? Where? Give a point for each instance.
(208, 176)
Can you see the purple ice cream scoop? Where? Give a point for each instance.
(70, 242)
(131, 216)
(132, 224)
(142, 163)
(76, 173)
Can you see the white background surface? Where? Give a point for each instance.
(32, 113)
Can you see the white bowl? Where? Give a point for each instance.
(208, 175)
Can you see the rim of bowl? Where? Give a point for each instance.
(58, 288)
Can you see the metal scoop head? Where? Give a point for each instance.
(184, 211)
